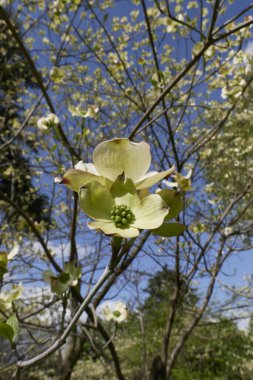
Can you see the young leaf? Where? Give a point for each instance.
(173, 200)
(3, 263)
(169, 229)
(13, 323)
(6, 331)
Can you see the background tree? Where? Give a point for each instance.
(155, 71)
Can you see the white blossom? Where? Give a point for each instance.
(181, 181)
(228, 231)
(14, 251)
(91, 111)
(113, 311)
(50, 120)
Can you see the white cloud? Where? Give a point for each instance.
(243, 324)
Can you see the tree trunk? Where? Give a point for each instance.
(158, 369)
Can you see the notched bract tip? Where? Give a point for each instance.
(60, 180)
(122, 177)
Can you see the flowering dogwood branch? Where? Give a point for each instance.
(60, 342)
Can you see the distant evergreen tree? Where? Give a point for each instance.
(15, 174)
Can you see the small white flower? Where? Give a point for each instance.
(228, 231)
(14, 251)
(51, 120)
(8, 296)
(224, 92)
(180, 17)
(45, 40)
(113, 311)
(182, 182)
(92, 111)
(209, 187)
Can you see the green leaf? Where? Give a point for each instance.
(169, 229)
(154, 82)
(6, 331)
(3, 263)
(3, 258)
(13, 323)
(57, 286)
(3, 270)
(105, 17)
(173, 200)
(54, 147)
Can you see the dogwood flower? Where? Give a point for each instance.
(182, 182)
(112, 158)
(50, 120)
(91, 111)
(61, 282)
(14, 251)
(5, 257)
(119, 211)
(7, 297)
(109, 191)
(113, 311)
(228, 231)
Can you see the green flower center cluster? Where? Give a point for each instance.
(116, 313)
(122, 216)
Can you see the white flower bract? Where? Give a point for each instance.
(113, 311)
(50, 120)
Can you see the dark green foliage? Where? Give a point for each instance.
(15, 171)
(217, 349)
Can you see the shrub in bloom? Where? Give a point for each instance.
(113, 311)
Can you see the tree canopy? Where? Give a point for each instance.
(125, 189)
